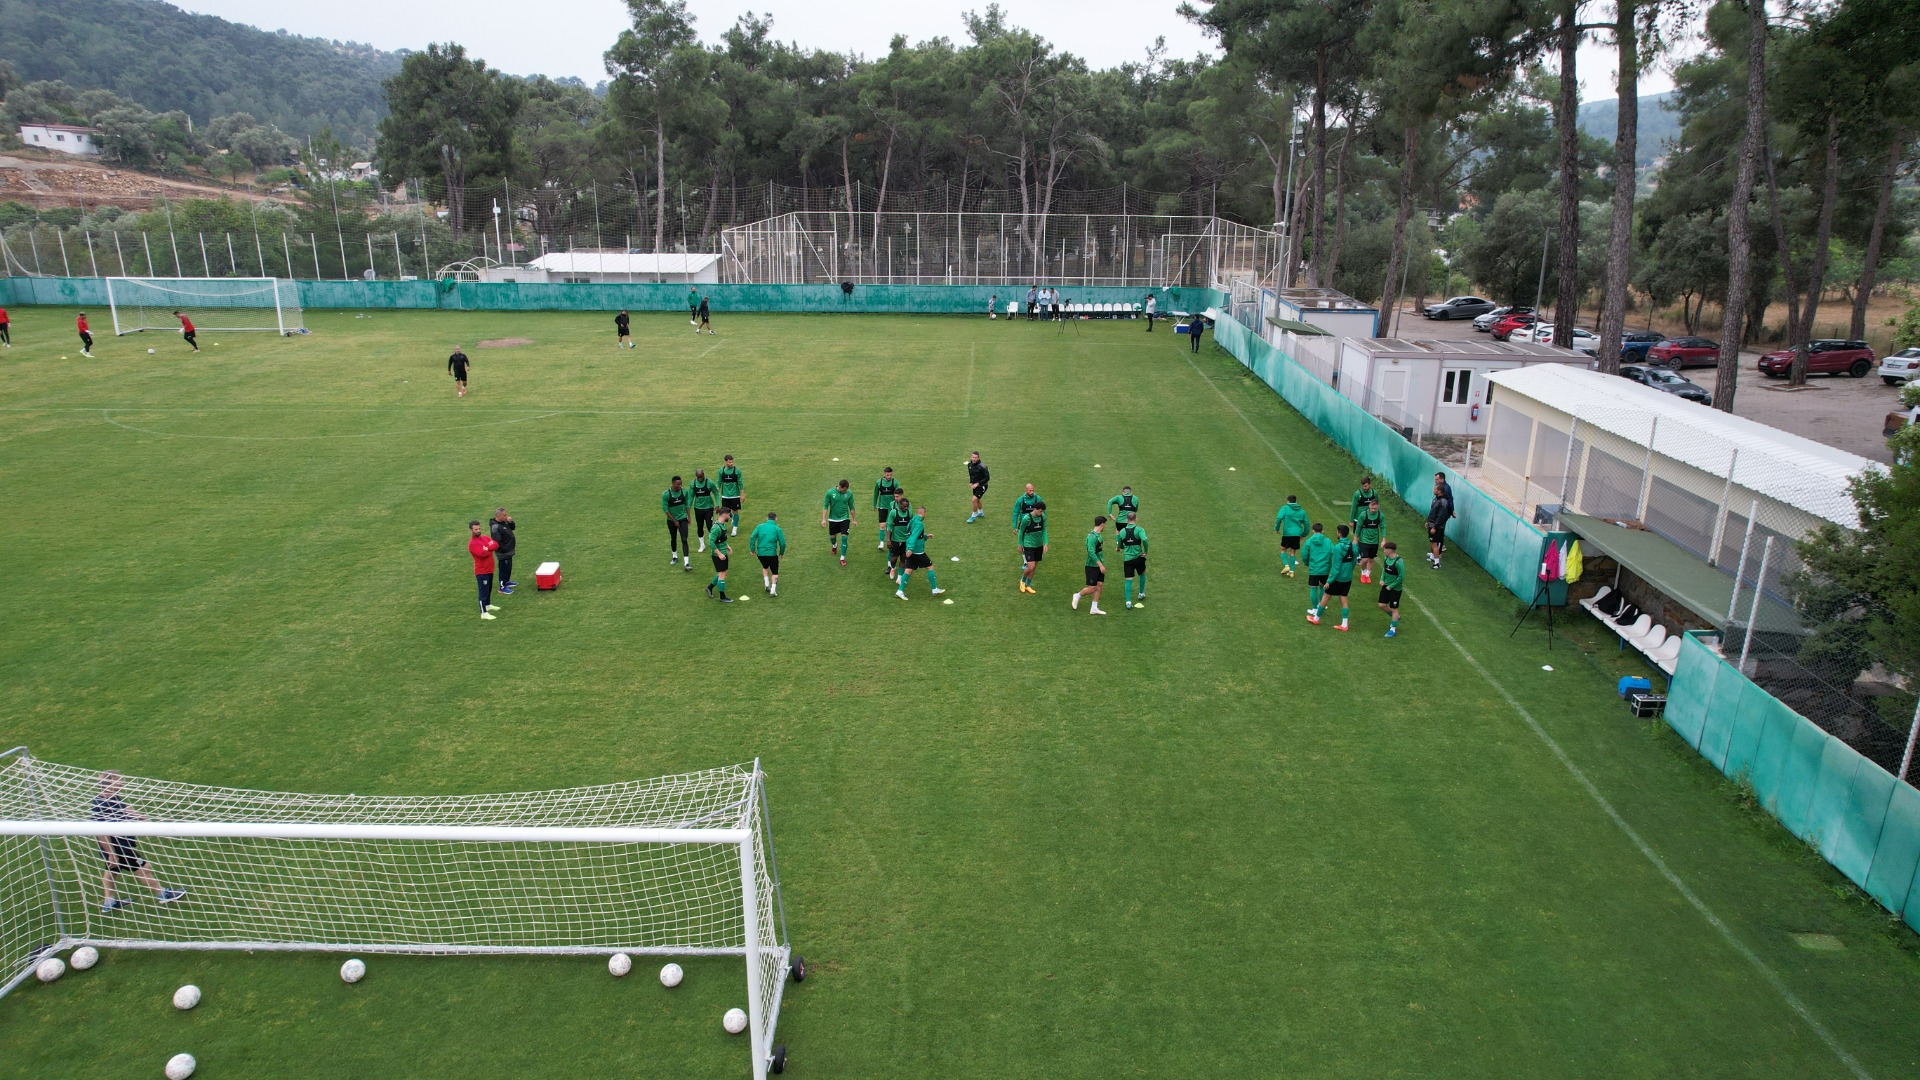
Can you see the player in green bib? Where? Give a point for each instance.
(884, 490)
(706, 499)
(1021, 507)
(836, 516)
(1133, 555)
(1291, 524)
(1392, 574)
(1340, 576)
(917, 555)
(717, 547)
(732, 490)
(899, 527)
(768, 541)
(1367, 536)
(1362, 495)
(1318, 553)
(1032, 530)
(1120, 507)
(1096, 567)
(673, 503)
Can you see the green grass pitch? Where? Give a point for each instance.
(1201, 839)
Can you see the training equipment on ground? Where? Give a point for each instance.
(670, 975)
(353, 971)
(150, 352)
(735, 1021)
(619, 964)
(186, 997)
(676, 866)
(181, 1066)
(546, 576)
(84, 957)
(270, 304)
(50, 969)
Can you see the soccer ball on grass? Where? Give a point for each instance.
(181, 1066)
(50, 969)
(353, 970)
(735, 1021)
(619, 964)
(671, 975)
(186, 997)
(84, 957)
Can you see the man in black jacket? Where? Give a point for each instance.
(1438, 514)
(501, 528)
(977, 477)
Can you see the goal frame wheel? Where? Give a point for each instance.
(778, 1064)
(798, 971)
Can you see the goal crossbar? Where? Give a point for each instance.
(225, 304)
(477, 834)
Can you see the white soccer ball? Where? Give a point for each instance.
(181, 1066)
(671, 975)
(186, 997)
(150, 352)
(50, 969)
(353, 970)
(619, 964)
(84, 957)
(735, 1021)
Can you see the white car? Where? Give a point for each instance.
(1901, 367)
(1584, 340)
(1484, 323)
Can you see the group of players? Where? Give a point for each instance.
(187, 332)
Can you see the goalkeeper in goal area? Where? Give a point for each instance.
(121, 852)
(186, 330)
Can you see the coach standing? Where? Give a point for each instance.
(501, 529)
(481, 547)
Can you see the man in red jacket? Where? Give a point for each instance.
(481, 547)
(6, 329)
(86, 337)
(186, 330)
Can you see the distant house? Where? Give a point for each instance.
(605, 267)
(65, 138)
(362, 170)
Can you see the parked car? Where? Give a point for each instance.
(1635, 343)
(1827, 356)
(1484, 323)
(1671, 382)
(1459, 307)
(1901, 367)
(1584, 340)
(1684, 352)
(1505, 325)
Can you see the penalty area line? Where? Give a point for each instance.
(1771, 977)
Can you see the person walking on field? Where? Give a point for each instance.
(186, 330)
(1438, 514)
(706, 317)
(1392, 574)
(501, 529)
(622, 324)
(1367, 533)
(1096, 567)
(917, 558)
(1340, 578)
(1195, 326)
(977, 477)
(733, 490)
(86, 336)
(482, 547)
(1151, 308)
(836, 516)
(1023, 505)
(1031, 528)
(1319, 557)
(6, 331)
(769, 542)
(122, 853)
(721, 552)
(1132, 541)
(457, 364)
(706, 499)
(1291, 524)
(693, 308)
(674, 503)
(885, 490)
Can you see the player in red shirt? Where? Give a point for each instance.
(186, 330)
(6, 333)
(86, 338)
(482, 547)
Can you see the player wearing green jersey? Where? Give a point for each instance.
(1291, 524)
(917, 555)
(721, 551)
(884, 490)
(1366, 535)
(899, 527)
(836, 516)
(732, 490)
(1120, 506)
(1032, 530)
(1363, 495)
(673, 503)
(1021, 506)
(768, 541)
(1392, 574)
(706, 499)
(1133, 554)
(1340, 579)
(1096, 567)
(1319, 556)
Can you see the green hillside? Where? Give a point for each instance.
(1658, 124)
(166, 59)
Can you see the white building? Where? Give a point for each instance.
(613, 267)
(1431, 387)
(66, 138)
(1328, 309)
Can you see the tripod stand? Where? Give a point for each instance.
(1063, 318)
(1540, 593)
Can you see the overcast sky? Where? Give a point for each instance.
(567, 37)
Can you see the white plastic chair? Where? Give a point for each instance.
(1654, 639)
(1667, 656)
(1638, 630)
(1013, 308)
(1591, 602)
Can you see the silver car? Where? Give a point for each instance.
(1901, 367)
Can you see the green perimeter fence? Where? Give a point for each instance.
(1864, 821)
(447, 295)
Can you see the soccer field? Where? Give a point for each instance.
(1199, 839)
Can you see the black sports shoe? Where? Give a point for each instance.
(709, 590)
(725, 599)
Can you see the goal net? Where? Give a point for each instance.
(675, 866)
(140, 304)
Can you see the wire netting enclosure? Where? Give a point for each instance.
(270, 304)
(977, 247)
(675, 866)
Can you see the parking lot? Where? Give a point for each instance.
(1844, 413)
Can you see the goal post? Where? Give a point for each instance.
(224, 304)
(674, 866)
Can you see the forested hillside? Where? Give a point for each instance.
(1659, 124)
(166, 59)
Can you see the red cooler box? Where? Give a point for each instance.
(547, 576)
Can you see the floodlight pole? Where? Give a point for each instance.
(1540, 290)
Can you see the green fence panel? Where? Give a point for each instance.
(1777, 726)
(1799, 776)
(1717, 731)
(1896, 858)
(1690, 695)
(1911, 913)
(1849, 817)
(1746, 727)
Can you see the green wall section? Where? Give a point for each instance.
(505, 296)
(1866, 823)
(1487, 532)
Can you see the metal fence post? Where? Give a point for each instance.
(1740, 568)
(1753, 612)
(1913, 734)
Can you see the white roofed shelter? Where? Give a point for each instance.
(616, 267)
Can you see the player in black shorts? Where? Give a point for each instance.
(1392, 575)
(457, 363)
(977, 477)
(621, 325)
(121, 853)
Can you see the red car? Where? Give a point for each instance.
(1507, 324)
(1830, 356)
(1683, 352)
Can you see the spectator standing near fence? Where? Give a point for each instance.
(1438, 515)
(1151, 310)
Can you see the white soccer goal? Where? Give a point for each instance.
(675, 866)
(271, 304)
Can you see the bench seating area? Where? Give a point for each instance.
(1643, 634)
(1092, 311)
